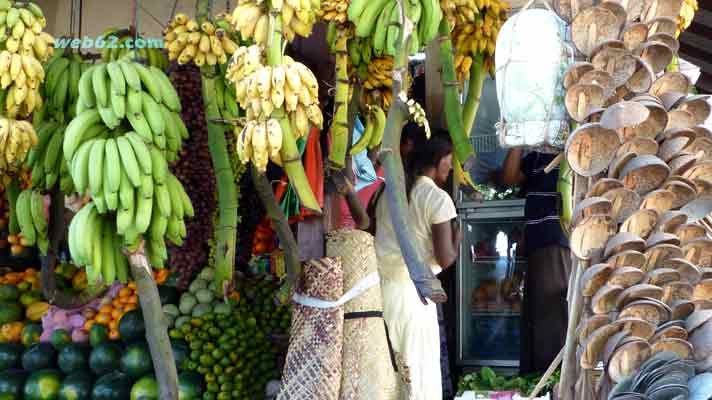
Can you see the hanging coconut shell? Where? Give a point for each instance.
(590, 324)
(689, 232)
(682, 163)
(697, 319)
(683, 193)
(642, 79)
(575, 71)
(670, 220)
(701, 170)
(593, 347)
(593, 26)
(661, 8)
(661, 277)
(688, 271)
(602, 186)
(651, 310)
(654, 123)
(582, 100)
(702, 147)
(633, 8)
(701, 341)
(681, 347)
(644, 174)
(626, 277)
(636, 327)
(699, 252)
(591, 148)
(639, 146)
(591, 235)
(619, 63)
(698, 106)
(617, 9)
(623, 242)
(703, 188)
(671, 147)
(605, 299)
(680, 119)
(671, 82)
(666, 39)
(594, 278)
(637, 292)
(634, 35)
(676, 291)
(671, 99)
(613, 343)
(602, 79)
(627, 358)
(662, 25)
(630, 258)
(682, 309)
(660, 200)
(679, 178)
(702, 132)
(672, 331)
(657, 54)
(678, 133)
(641, 223)
(591, 206)
(618, 163)
(659, 253)
(625, 202)
(703, 290)
(624, 118)
(662, 238)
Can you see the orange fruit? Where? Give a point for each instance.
(114, 334)
(117, 313)
(114, 325)
(132, 285)
(133, 299)
(103, 319)
(88, 324)
(107, 309)
(125, 292)
(129, 307)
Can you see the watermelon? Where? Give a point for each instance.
(12, 383)
(73, 357)
(10, 355)
(10, 312)
(31, 334)
(136, 361)
(112, 386)
(60, 338)
(190, 386)
(76, 386)
(43, 385)
(38, 356)
(132, 327)
(105, 358)
(145, 388)
(9, 293)
(98, 334)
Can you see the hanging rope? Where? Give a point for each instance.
(173, 10)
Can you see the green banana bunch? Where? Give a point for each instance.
(61, 87)
(226, 96)
(45, 160)
(32, 219)
(95, 245)
(374, 127)
(117, 48)
(379, 21)
(122, 95)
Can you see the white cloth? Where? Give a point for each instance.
(413, 327)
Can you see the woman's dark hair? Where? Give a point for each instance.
(427, 153)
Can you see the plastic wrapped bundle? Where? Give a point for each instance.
(313, 367)
(368, 371)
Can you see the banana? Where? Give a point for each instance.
(86, 92)
(96, 240)
(76, 128)
(112, 166)
(367, 19)
(159, 224)
(169, 96)
(126, 192)
(173, 139)
(111, 199)
(143, 154)
(118, 83)
(108, 263)
(163, 199)
(96, 165)
(128, 161)
(118, 106)
(365, 138)
(99, 85)
(54, 148)
(130, 75)
(142, 219)
(74, 77)
(148, 82)
(122, 265)
(153, 114)
(39, 218)
(379, 128)
(24, 216)
(80, 167)
(274, 137)
(159, 167)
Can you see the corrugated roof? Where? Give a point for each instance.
(696, 44)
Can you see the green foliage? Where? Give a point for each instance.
(487, 380)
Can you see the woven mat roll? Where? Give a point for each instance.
(367, 369)
(313, 367)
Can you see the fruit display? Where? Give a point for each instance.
(378, 85)
(21, 306)
(118, 48)
(16, 139)
(202, 44)
(642, 229)
(252, 18)
(262, 89)
(474, 25)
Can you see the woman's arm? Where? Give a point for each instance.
(512, 172)
(446, 241)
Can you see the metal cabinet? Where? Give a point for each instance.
(490, 275)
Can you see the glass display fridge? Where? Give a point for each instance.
(490, 275)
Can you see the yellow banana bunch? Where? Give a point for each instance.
(475, 25)
(22, 32)
(377, 87)
(251, 18)
(20, 78)
(334, 11)
(258, 142)
(687, 14)
(16, 139)
(261, 89)
(206, 43)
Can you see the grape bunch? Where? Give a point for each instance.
(194, 170)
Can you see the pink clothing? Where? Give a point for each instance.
(364, 195)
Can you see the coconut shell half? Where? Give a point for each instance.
(697, 319)
(623, 241)
(672, 146)
(627, 358)
(682, 163)
(657, 255)
(636, 327)
(639, 146)
(702, 131)
(670, 220)
(688, 271)
(698, 252)
(689, 232)
(593, 26)
(661, 9)
(701, 170)
(644, 174)
(677, 291)
(682, 309)
(634, 35)
(591, 148)
(590, 324)
(637, 292)
(704, 189)
(625, 202)
(703, 145)
(703, 290)
(594, 278)
(626, 277)
(657, 54)
(681, 347)
(624, 117)
(662, 238)
(683, 193)
(594, 345)
(672, 331)
(591, 206)
(680, 119)
(605, 299)
(651, 310)
(641, 223)
(660, 200)
(575, 71)
(630, 258)
(602, 186)
(661, 277)
(582, 100)
(619, 63)
(698, 106)
(670, 82)
(591, 235)
(666, 39)
(662, 25)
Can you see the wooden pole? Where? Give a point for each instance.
(554, 365)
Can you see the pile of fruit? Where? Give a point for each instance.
(101, 369)
(263, 240)
(21, 304)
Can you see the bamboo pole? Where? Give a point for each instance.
(426, 283)
(159, 344)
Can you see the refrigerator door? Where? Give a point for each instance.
(490, 284)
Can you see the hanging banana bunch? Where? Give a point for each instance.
(118, 47)
(32, 219)
(46, 161)
(475, 25)
(251, 18)
(259, 90)
(334, 11)
(16, 139)
(207, 43)
(374, 128)
(117, 149)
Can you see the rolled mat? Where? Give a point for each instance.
(313, 367)
(367, 368)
